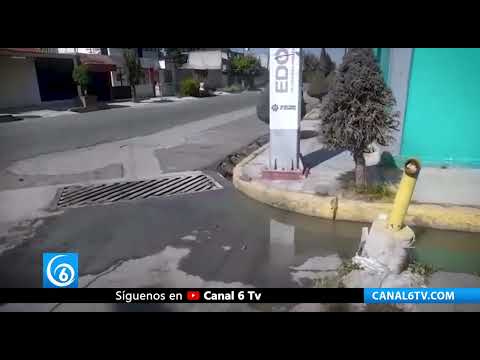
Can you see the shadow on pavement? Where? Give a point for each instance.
(161, 101)
(383, 172)
(307, 134)
(98, 108)
(317, 157)
(11, 118)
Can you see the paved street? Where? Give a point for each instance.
(126, 143)
(34, 136)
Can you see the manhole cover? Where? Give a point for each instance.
(132, 190)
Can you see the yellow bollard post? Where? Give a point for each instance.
(404, 194)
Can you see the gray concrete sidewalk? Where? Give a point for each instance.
(63, 107)
(330, 171)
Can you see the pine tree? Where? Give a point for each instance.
(325, 63)
(358, 110)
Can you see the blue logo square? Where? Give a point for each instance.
(60, 270)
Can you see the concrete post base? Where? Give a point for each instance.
(384, 250)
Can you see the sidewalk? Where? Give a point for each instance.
(324, 193)
(64, 108)
(55, 108)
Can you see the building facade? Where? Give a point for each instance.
(149, 61)
(34, 77)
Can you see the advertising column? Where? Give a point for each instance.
(285, 112)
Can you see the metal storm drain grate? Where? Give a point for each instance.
(131, 190)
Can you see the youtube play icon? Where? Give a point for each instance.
(193, 295)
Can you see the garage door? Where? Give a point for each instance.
(55, 79)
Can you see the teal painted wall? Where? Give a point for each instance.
(442, 119)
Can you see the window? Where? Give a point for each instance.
(146, 77)
(167, 75)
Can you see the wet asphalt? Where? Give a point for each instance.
(233, 241)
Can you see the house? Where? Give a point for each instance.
(437, 92)
(99, 66)
(43, 76)
(211, 65)
(149, 61)
(112, 82)
(34, 77)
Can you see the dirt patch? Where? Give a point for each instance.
(226, 166)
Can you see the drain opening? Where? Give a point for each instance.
(132, 190)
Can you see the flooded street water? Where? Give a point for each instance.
(212, 239)
(451, 251)
(444, 250)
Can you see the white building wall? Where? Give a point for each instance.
(79, 50)
(18, 83)
(144, 90)
(117, 56)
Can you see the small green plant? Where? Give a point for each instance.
(421, 269)
(81, 77)
(347, 267)
(376, 192)
(190, 87)
(326, 282)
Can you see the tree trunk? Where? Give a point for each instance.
(174, 79)
(134, 93)
(360, 171)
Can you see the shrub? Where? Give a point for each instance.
(190, 87)
(310, 62)
(358, 111)
(320, 85)
(325, 63)
(312, 65)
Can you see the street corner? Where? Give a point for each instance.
(322, 194)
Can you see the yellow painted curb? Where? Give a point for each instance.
(303, 203)
(458, 218)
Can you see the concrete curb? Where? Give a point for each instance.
(443, 217)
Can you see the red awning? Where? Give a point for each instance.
(98, 63)
(23, 50)
(30, 52)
